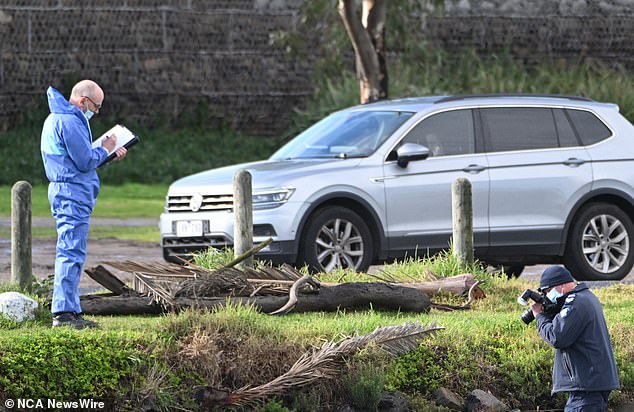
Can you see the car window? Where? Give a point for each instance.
(344, 134)
(519, 128)
(446, 133)
(589, 128)
(565, 132)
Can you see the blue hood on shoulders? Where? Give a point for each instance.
(57, 103)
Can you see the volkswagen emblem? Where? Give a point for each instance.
(196, 202)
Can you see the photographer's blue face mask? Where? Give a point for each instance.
(553, 295)
(89, 113)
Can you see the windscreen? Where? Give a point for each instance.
(344, 134)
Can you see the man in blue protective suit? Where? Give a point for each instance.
(70, 163)
(584, 362)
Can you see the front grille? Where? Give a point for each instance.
(176, 204)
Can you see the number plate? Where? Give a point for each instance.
(189, 228)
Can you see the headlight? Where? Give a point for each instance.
(268, 199)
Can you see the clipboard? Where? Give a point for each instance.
(125, 138)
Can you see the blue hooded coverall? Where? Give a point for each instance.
(70, 163)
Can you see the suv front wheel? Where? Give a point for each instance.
(337, 238)
(600, 244)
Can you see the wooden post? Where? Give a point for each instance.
(462, 212)
(21, 263)
(243, 211)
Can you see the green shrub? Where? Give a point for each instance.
(421, 371)
(65, 364)
(273, 406)
(163, 155)
(364, 384)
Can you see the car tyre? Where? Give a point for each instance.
(336, 238)
(600, 244)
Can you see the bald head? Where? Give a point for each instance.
(87, 92)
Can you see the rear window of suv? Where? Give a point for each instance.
(528, 128)
(588, 127)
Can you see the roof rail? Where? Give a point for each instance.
(476, 96)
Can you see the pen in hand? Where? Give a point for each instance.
(109, 143)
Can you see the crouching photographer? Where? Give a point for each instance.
(575, 326)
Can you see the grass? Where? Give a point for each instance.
(127, 201)
(131, 200)
(145, 234)
(164, 154)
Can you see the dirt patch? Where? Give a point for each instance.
(102, 250)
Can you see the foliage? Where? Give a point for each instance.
(43, 288)
(126, 201)
(213, 258)
(364, 383)
(415, 67)
(273, 406)
(65, 365)
(163, 155)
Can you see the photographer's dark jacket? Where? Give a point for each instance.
(584, 360)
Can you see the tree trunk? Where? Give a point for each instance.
(345, 296)
(368, 41)
(457, 285)
(373, 18)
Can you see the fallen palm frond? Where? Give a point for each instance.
(165, 282)
(323, 363)
(228, 281)
(157, 268)
(156, 291)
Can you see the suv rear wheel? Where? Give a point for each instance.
(600, 244)
(337, 238)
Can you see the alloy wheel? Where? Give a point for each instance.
(339, 245)
(605, 243)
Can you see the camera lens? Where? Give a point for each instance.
(527, 317)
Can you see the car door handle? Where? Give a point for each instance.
(474, 168)
(573, 161)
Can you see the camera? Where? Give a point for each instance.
(549, 307)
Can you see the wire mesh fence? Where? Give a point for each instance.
(163, 59)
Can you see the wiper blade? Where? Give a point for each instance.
(344, 155)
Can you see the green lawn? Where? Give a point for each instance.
(149, 234)
(128, 201)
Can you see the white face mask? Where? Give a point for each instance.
(553, 295)
(89, 113)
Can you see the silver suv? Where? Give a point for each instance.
(552, 180)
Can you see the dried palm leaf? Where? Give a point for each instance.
(221, 282)
(156, 268)
(323, 363)
(157, 292)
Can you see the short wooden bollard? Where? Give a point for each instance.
(21, 258)
(243, 211)
(462, 213)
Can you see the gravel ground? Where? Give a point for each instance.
(103, 250)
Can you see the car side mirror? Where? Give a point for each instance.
(409, 152)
